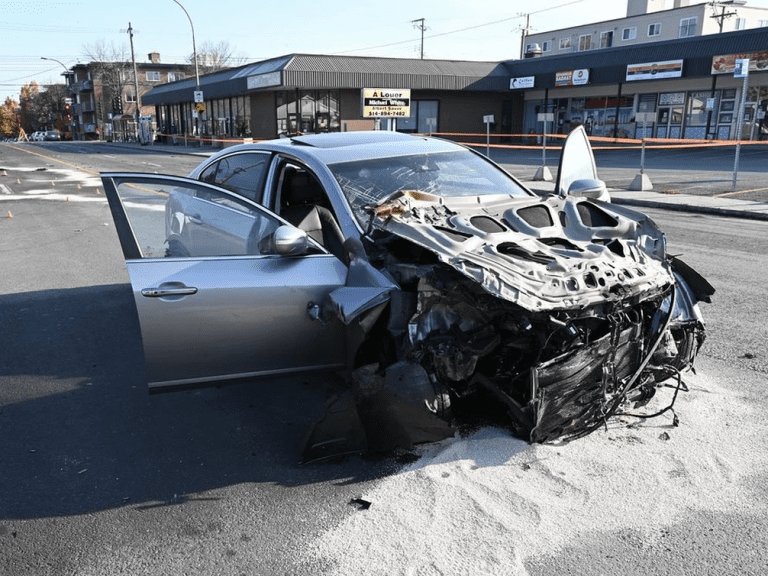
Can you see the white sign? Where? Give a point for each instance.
(522, 82)
(386, 102)
(488, 119)
(199, 96)
(711, 103)
(546, 116)
(655, 70)
(741, 70)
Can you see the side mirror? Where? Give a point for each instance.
(589, 188)
(577, 173)
(287, 241)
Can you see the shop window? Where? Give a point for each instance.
(565, 43)
(314, 111)
(654, 29)
(423, 118)
(696, 110)
(629, 33)
(606, 39)
(585, 42)
(687, 27)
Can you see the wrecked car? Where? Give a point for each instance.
(419, 269)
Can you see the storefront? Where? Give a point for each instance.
(317, 93)
(686, 87)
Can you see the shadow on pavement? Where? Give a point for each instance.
(80, 433)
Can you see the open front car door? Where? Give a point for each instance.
(223, 287)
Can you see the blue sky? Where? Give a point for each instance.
(258, 29)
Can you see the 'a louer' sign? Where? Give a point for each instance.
(386, 102)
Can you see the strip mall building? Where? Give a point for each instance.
(686, 88)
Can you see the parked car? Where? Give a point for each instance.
(417, 266)
(52, 135)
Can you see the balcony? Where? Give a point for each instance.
(82, 86)
(83, 108)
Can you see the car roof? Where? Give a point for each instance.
(345, 139)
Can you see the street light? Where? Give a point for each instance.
(194, 49)
(54, 60)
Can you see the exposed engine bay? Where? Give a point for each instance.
(565, 311)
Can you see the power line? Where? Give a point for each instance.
(463, 29)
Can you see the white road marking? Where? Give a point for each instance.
(5, 190)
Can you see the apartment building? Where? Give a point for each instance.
(649, 21)
(104, 98)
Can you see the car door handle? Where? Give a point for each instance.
(195, 219)
(160, 292)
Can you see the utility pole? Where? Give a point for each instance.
(723, 14)
(420, 26)
(135, 82)
(524, 33)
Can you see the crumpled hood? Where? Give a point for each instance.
(544, 254)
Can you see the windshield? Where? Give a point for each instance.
(450, 174)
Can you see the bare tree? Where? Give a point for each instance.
(212, 57)
(112, 66)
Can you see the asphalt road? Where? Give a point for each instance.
(97, 477)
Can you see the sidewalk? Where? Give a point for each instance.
(698, 204)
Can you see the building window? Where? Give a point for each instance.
(172, 77)
(130, 97)
(565, 43)
(629, 33)
(313, 111)
(423, 118)
(546, 46)
(741, 23)
(585, 42)
(153, 76)
(763, 24)
(606, 39)
(687, 27)
(654, 29)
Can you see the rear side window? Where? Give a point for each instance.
(241, 173)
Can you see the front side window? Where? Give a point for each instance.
(687, 27)
(241, 173)
(654, 29)
(585, 42)
(174, 219)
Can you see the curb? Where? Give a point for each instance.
(708, 210)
